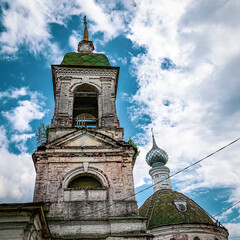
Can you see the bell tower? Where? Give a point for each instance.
(85, 88)
(84, 172)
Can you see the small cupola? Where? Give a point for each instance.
(157, 159)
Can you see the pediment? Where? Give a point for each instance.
(83, 139)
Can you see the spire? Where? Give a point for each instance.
(157, 159)
(154, 142)
(85, 46)
(85, 29)
(156, 156)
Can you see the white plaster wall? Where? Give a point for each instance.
(189, 232)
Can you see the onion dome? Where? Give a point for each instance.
(171, 207)
(156, 157)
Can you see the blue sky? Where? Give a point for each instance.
(179, 74)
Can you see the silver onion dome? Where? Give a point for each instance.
(156, 157)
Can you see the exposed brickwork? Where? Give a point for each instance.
(115, 163)
(71, 152)
(66, 79)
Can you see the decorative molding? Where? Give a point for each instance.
(76, 84)
(91, 72)
(85, 166)
(78, 171)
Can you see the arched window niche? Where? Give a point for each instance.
(85, 184)
(85, 106)
(85, 181)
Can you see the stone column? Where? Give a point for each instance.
(108, 103)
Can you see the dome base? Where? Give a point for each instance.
(85, 46)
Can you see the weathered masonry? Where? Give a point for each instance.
(85, 170)
(84, 185)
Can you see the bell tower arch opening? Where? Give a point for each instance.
(85, 106)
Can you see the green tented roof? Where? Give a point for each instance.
(85, 59)
(165, 212)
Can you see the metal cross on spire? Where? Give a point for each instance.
(85, 29)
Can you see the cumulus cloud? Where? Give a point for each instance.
(233, 228)
(17, 170)
(74, 40)
(14, 93)
(193, 105)
(20, 140)
(28, 24)
(26, 111)
(17, 174)
(106, 17)
(37, 17)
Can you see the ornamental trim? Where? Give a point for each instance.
(91, 72)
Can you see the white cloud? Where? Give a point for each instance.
(14, 93)
(27, 24)
(233, 228)
(196, 93)
(194, 107)
(27, 110)
(106, 17)
(21, 140)
(74, 40)
(17, 170)
(36, 17)
(17, 174)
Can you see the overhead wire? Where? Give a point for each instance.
(189, 166)
(233, 205)
(227, 208)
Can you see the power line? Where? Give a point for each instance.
(189, 166)
(227, 208)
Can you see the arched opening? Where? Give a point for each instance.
(85, 181)
(196, 238)
(164, 179)
(85, 106)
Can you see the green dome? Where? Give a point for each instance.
(165, 212)
(85, 59)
